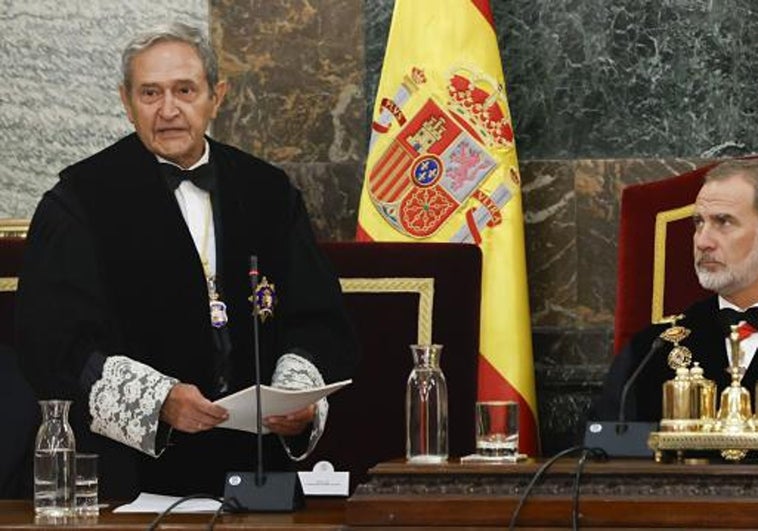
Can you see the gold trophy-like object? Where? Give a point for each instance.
(688, 421)
(689, 399)
(735, 414)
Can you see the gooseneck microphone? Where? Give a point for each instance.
(622, 438)
(253, 276)
(261, 491)
(657, 344)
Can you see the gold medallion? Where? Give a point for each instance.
(679, 356)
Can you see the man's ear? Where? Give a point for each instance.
(126, 102)
(218, 96)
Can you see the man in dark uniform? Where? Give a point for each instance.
(726, 262)
(133, 301)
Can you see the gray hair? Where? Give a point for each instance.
(746, 168)
(174, 32)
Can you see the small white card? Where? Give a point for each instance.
(324, 481)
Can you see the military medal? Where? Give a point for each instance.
(264, 299)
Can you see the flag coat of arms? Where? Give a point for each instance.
(442, 167)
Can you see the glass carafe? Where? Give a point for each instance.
(54, 474)
(426, 407)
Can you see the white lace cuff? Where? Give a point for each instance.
(295, 372)
(125, 403)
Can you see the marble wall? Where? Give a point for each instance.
(603, 93)
(630, 78)
(59, 75)
(297, 99)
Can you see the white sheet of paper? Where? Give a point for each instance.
(243, 406)
(157, 503)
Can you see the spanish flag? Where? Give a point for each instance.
(442, 167)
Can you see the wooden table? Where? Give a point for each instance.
(319, 515)
(620, 494)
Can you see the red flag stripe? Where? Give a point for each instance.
(492, 386)
(484, 8)
(361, 235)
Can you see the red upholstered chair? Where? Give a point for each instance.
(12, 236)
(656, 277)
(398, 294)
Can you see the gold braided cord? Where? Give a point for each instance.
(423, 286)
(13, 228)
(662, 219)
(8, 284)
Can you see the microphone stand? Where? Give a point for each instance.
(658, 343)
(261, 491)
(253, 275)
(622, 438)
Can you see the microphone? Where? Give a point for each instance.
(622, 438)
(253, 276)
(261, 491)
(657, 344)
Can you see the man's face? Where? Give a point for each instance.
(726, 239)
(170, 102)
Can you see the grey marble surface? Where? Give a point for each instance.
(630, 79)
(59, 72)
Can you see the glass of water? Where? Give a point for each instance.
(86, 485)
(497, 428)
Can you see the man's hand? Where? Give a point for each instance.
(292, 423)
(186, 409)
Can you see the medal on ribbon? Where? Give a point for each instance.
(219, 316)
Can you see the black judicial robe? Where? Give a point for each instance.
(20, 417)
(111, 268)
(644, 401)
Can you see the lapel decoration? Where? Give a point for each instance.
(264, 299)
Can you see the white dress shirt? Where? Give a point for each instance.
(195, 204)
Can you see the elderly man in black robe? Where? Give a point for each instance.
(133, 301)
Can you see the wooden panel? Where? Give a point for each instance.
(621, 494)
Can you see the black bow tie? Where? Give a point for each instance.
(202, 176)
(729, 316)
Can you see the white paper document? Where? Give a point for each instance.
(157, 503)
(243, 406)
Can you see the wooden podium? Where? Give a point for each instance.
(618, 494)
